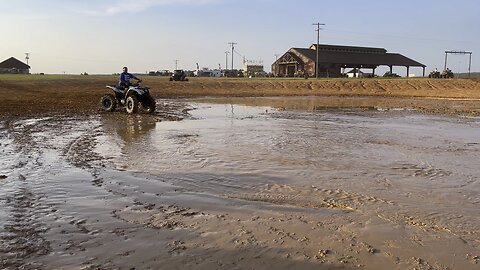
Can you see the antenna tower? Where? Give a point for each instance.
(233, 48)
(27, 56)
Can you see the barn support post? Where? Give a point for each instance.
(470, 66)
(446, 57)
(391, 69)
(423, 71)
(408, 72)
(373, 71)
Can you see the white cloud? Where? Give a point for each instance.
(135, 6)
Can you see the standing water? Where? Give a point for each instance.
(244, 183)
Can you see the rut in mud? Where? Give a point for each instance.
(235, 186)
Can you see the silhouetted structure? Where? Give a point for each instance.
(14, 66)
(334, 59)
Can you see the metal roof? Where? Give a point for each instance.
(357, 59)
(341, 48)
(14, 63)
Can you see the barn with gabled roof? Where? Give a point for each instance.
(334, 59)
(14, 66)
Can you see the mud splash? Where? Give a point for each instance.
(236, 186)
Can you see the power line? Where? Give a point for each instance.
(403, 37)
(242, 56)
(239, 54)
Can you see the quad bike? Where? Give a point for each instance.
(130, 98)
(446, 74)
(435, 74)
(179, 76)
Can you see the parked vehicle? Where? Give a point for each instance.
(179, 75)
(130, 99)
(446, 74)
(435, 74)
(389, 74)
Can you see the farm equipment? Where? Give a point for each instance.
(446, 74)
(389, 74)
(130, 98)
(179, 76)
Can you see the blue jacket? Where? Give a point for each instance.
(125, 78)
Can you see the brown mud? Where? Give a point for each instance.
(243, 183)
(80, 94)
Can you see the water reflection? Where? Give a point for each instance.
(309, 103)
(341, 103)
(129, 128)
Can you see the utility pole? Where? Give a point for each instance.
(27, 56)
(226, 59)
(318, 46)
(233, 49)
(176, 64)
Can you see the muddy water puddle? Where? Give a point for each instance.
(261, 183)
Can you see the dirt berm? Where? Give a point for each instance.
(28, 95)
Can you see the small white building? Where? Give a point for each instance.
(357, 73)
(206, 72)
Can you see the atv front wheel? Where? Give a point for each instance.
(149, 105)
(108, 103)
(131, 104)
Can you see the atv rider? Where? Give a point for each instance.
(125, 78)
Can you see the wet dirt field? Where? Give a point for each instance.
(265, 183)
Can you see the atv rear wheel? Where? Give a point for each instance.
(131, 104)
(108, 103)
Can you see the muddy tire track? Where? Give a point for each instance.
(312, 197)
(25, 235)
(423, 170)
(80, 154)
(21, 240)
(21, 237)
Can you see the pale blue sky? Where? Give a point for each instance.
(102, 36)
